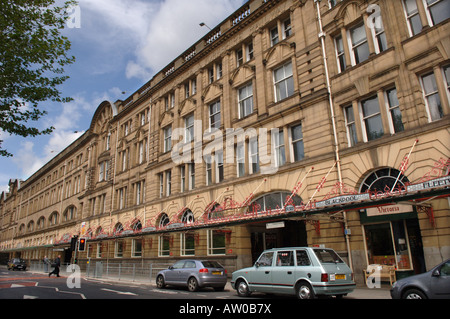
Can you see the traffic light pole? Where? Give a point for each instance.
(76, 250)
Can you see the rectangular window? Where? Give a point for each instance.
(194, 86)
(432, 99)
(99, 250)
(245, 98)
(208, 169)
(379, 36)
(274, 39)
(340, 55)
(297, 143)
(141, 152)
(138, 193)
(136, 248)
(446, 72)
(167, 139)
(187, 244)
(219, 71)
(351, 126)
(438, 10)
(388, 244)
(359, 45)
(278, 142)
(216, 242)
(287, 28)
(183, 178)
(283, 82)
(164, 246)
(372, 119)
(249, 51)
(394, 112)
(161, 185)
(189, 128)
(211, 75)
(240, 159)
(239, 57)
(124, 160)
(412, 17)
(191, 169)
(122, 196)
(168, 183)
(214, 115)
(253, 155)
(219, 166)
(118, 251)
(285, 258)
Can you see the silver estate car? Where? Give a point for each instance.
(302, 271)
(193, 274)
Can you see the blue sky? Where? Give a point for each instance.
(119, 45)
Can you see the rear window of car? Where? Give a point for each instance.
(328, 256)
(211, 264)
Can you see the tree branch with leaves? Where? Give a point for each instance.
(33, 54)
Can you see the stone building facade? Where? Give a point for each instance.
(291, 123)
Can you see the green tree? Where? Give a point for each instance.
(32, 56)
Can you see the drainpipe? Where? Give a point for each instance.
(333, 121)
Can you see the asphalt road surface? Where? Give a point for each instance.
(29, 285)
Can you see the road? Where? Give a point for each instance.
(29, 285)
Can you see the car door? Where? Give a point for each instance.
(173, 273)
(440, 281)
(260, 278)
(188, 268)
(283, 272)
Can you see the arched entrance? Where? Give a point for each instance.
(391, 233)
(282, 233)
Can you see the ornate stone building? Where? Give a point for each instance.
(291, 123)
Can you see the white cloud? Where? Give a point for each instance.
(153, 33)
(175, 27)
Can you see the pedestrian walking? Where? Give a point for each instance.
(46, 262)
(56, 264)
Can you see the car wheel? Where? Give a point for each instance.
(160, 282)
(192, 284)
(414, 294)
(242, 289)
(304, 291)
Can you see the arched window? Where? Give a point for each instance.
(53, 219)
(69, 214)
(118, 229)
(163, 221)
(98, 231)
(30, 226)
(41, 223)
(137, 226)
(188, 217)
(215, 212)
(274, 200)
(383, 179)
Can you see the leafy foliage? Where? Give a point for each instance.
(32, 56)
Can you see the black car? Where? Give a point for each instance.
(17, 263)
(434, 284)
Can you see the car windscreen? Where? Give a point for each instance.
(211, 264)
(327, 256)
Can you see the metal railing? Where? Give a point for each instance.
(134, 272)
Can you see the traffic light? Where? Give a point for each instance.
(82, 244)
(73, 243)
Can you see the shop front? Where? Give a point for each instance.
(392, 238)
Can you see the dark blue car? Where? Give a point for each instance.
(434, 284)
